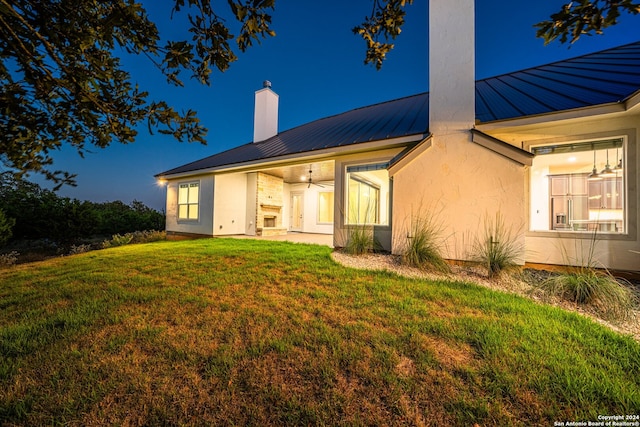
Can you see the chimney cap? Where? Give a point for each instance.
(266, 84)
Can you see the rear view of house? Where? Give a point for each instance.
(553, 149)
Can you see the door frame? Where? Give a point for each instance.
(300, 195)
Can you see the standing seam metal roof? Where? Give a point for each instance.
(608, 76)
(392, 119)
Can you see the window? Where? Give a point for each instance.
(188, 197)
(325, 207)
(367, 194)
(579, 187)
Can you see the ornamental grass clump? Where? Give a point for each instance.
(360, 233)
(498, 248)
(360, 240)
(585, 284)
(595, 288)
(423, 248)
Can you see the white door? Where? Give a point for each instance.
(295, 221)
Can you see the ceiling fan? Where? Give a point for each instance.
(310, 180)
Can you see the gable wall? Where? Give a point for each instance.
(458, 184)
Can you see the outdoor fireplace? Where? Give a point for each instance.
(269, 221)
(269, 211)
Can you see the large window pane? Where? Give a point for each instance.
(183, 193)
(579, 187)
(188, 197)
(325, 207)
(368, 194)
(183, 211)
(193, 211)
(193, 193)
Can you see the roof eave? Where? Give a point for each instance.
(633, 101)
(556, 116)
(299, 157)
(502, 148)
(401, 160)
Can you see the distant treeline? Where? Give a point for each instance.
(32, 212)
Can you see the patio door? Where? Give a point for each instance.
(297, 203)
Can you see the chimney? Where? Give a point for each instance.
(265, 117)
(451, 66)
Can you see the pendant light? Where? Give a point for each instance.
(607, 171)
(618, 167)
(594, 176)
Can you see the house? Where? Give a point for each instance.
(553, 149)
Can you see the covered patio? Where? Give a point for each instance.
(293, 198)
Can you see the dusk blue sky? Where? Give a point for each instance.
(315, 64)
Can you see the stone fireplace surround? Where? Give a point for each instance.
(269, 205)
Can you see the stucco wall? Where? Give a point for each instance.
(230, 209)
(611, 251)
(204, 224)
(251, 204)
(459, 184)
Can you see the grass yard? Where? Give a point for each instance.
(245, 332)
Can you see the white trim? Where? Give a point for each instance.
(502, 148)
(301, 157)
(410, 156)
(633, 101)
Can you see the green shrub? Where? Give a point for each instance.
(148, 236)
(6, 227)
(424, 242)
(118, 240)
(42, 214)
(498, 248)
(9, 259)
(80, 249)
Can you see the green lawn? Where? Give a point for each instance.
(243, 332)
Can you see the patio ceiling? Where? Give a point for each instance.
(294, 174)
